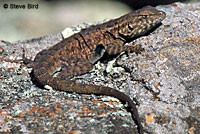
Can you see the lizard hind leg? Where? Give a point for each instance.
(62, 82)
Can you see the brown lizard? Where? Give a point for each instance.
(77, 54)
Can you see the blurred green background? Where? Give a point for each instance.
(53, 16)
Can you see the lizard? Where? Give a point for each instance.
(77, 54)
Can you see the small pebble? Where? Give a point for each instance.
(1, 50)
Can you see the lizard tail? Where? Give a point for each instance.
(67, 85)
(72, 86)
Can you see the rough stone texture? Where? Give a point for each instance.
(168, 98)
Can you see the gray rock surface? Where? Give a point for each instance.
(169, 96)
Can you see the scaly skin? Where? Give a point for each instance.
(78, 53)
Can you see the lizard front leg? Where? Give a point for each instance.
(114, 49)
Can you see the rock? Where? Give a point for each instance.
(165, 79)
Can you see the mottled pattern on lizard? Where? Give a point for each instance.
(78, 53)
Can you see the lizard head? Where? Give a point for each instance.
(139, 22)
